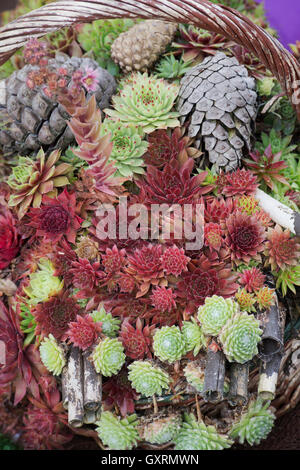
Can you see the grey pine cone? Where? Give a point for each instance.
(32, 119)
(218, 99)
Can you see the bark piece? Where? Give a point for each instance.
(268, 377)
(75, 388)
(65, 387)
(272, 337)
(238, 391)
(214, 376)
(92, 385)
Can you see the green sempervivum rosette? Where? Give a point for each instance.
(128, 147)
(42, 283)
(110, 324)
(108, 357)
(214, 314)
(169, 344)
(254, 425)
(193, 336)
(195, 435)
(239, 337)
(147, 379)
(116, 433)
(52, 355)
(160, 429)
(145, 101)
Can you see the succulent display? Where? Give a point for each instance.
(239, 337)
(116, 433)
(52, 355)
(147, 379)
(254, 425)
(38, 120)
(195, 435)
(220, 100)
(108, 357)
(139, 47)
(141, 269)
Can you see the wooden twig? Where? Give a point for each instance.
(92, 385)
(238, 390)
(64, 387)
(272, 337)
(268, 377)
(279, 213)
(214, 376)
(75, 388)
(155, 406)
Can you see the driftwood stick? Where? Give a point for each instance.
(238, 389)
(92, 385)
(272, 337)
(65, 387)
(89, 417)
(75, 388)
(279, 213)
(268, 377)
(214, 376)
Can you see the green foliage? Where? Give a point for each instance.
(76, 162)
(162, 430)
(27, 323)
(193, 336)
(287, 279)
(281, 117)
(195, 435)
(145, 101)
(52, 355)
(169, 344)
(128, 147)
(6, 443)
(169, 67)
(43, 284)
(254, 425)
(214, 313)
(116, 433)
(148, 380)
(110, 324)
(97, 38)
(278, 144)
(108, 357)
(239, 337)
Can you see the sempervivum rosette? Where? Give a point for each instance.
(254, 425)
(145, 101)
(108, 357)
(147, 379)
(52, 355)
(195, 435)
(116, 433)
(169, 344)
(193, 336)
(214, 314)
(239, 337)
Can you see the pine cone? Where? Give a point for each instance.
(35, 120)
(219, 99)
(140, 46)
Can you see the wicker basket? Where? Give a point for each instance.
(216, 18)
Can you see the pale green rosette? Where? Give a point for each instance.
(110, 325)
(42, 283)
(214, 314)
(108, 357)
(116, 433)
(239, 337)
(52, 355)
(169, 344)
(145, 101)
(195, 435)
(254, 425)
(193, 336)
(147, 379)
(128, 147)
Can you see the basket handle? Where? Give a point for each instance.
(201, 13)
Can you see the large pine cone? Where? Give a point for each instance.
(140, 46)
(32, 119)
(218, 100)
